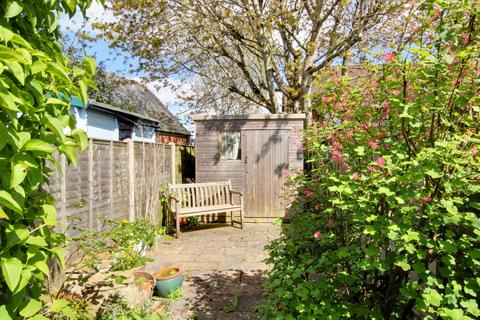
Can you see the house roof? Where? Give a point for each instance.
(130, 97)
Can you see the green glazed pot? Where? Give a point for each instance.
(168, 280)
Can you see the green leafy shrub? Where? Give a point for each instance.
(387, 223)
(36, 83)
(122, 241)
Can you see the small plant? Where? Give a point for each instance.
(116, 308)
(175, 294)
(123, 241)
(233, 306)
(192, 222)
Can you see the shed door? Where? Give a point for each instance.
(265, 153)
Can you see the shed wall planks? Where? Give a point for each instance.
(209, 166)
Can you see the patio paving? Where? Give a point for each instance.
(223, 267)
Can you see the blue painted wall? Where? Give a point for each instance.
(103, 125)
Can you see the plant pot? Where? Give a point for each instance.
(144, 281)
(168, 280)
(140, 290)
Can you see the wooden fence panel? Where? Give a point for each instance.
(120, 202)
(113, 180)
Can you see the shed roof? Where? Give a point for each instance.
(104, 106)
(131, 97)
(280, 116)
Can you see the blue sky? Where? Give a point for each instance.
(116, 61)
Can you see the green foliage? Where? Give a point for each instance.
(233, 306)
(389, 213)
(123, 241)
(115, 308)
(36, 83)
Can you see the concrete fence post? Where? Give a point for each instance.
(131, 179)
(90, 183)
(172, 166)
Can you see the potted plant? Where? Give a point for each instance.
(139, 289)
(168, 280)
(144, 280)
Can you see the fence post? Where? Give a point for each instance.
(131, 179)
(90, 183)
(110, 187)
(172, 166)
(63, 191)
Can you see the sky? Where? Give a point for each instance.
(102, 53)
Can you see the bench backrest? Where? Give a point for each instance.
(202, 194)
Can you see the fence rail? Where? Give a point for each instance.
(117, 180)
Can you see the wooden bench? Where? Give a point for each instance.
(196, 199)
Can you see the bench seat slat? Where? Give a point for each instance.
(209, 209)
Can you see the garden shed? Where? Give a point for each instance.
(255, 152)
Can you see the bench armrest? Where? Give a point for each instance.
(236, 192)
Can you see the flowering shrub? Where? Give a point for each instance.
(387, 223)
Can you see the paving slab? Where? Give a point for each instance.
(223, 267)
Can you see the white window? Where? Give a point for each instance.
(230, 145)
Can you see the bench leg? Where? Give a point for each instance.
(241, 218)
(177, 222)
(241, 211)
(231, 217)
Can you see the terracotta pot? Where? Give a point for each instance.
(168, 280)
(144, 280)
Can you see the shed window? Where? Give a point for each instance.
(230, 145)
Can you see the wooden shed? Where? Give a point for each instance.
(255, 152)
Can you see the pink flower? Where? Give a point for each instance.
(317, 206)
(373, 145)
(317, 234)
(389, 56)
(426, 199)
(386, 106)
(356, 176)
(380, 161)
(337, 144)
(324, 99)
(465, 38)
(336, 153)
(336, 160)
(473, 151)
(308, 192)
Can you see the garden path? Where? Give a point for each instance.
(224, 270)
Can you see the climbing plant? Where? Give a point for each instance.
(36, 83)
(386, 224)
